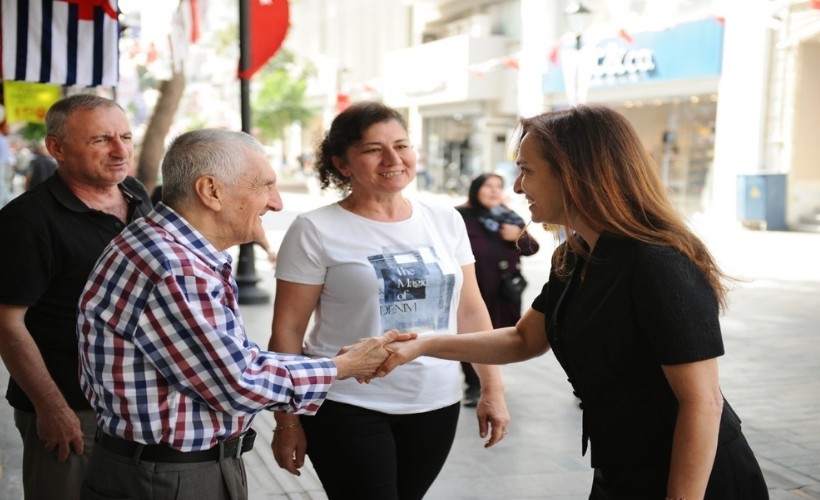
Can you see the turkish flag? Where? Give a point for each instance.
(269, 21)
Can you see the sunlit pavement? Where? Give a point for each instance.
(770, 374)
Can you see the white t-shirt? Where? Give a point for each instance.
(377, 276)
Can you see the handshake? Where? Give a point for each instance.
(374, 357)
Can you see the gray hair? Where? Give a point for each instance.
(59, 112)
(221, 153)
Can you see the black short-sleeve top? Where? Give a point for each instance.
(638, 307)
(52, 242)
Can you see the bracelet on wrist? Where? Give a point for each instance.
(286, 427)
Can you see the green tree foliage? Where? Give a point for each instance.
(280, 97)
(33, 132)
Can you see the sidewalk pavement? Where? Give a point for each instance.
(770, 374)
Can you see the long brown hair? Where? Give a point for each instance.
(609, 180)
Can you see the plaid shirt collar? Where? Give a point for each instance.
(181, 231)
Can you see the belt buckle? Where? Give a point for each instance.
(239, 445)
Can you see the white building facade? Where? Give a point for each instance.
(724, 93)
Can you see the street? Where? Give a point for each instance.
(770, 374)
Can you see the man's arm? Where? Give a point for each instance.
(57, 424)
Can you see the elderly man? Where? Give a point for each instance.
(164, 357)
(53, 235)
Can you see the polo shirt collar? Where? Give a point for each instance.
(63, 194)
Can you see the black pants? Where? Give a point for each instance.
(470, 376)
(363, 454)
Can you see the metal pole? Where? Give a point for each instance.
(246, 277)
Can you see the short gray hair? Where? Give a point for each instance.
(59, 112)
(217, 152)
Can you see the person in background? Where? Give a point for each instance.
(40, 167)
(630, 311)
(58, 230)
(7, 161)
(497, 234)
(373, 262)
(164, 358)
(424, 181)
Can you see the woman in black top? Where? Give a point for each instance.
(497, 234)
(630, 311)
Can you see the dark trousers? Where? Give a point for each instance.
(113, 476)
(363, 454)
(470, 376)
(44, 477)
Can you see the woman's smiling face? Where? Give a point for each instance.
(382, 161)
(538, 182)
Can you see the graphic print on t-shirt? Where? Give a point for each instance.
(414, 293)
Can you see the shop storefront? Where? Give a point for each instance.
(666, 83)
(461, 104)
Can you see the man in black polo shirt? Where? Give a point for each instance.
(53, 236)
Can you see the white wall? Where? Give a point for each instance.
(742, 103)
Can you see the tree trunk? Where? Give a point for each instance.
(153, 143)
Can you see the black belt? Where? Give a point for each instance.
(160, 453)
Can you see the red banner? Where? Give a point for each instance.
(269, 21)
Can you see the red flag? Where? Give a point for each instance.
(269, 21)
(815, 4)
(195, 20)
(625, 35)
(555, 52)
(510, 62)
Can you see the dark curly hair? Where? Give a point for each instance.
(347, 129)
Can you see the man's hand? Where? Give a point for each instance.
(60, 432)
(362, 359)
(400, 353)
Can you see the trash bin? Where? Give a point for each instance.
(762, 198)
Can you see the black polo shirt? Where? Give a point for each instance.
(52, 241)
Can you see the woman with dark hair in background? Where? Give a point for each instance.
(499, 238)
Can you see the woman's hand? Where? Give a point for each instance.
(510, 232)
(400, 353)
(365, 358)
(289, 445)
(493, 416)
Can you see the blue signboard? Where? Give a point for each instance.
(682, 52)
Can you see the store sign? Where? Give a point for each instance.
(29, 102)
(617, 62)
(686, 51)
(440, 71)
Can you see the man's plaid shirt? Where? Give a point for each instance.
(164, 358)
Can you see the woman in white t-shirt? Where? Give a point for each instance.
(372, 262)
